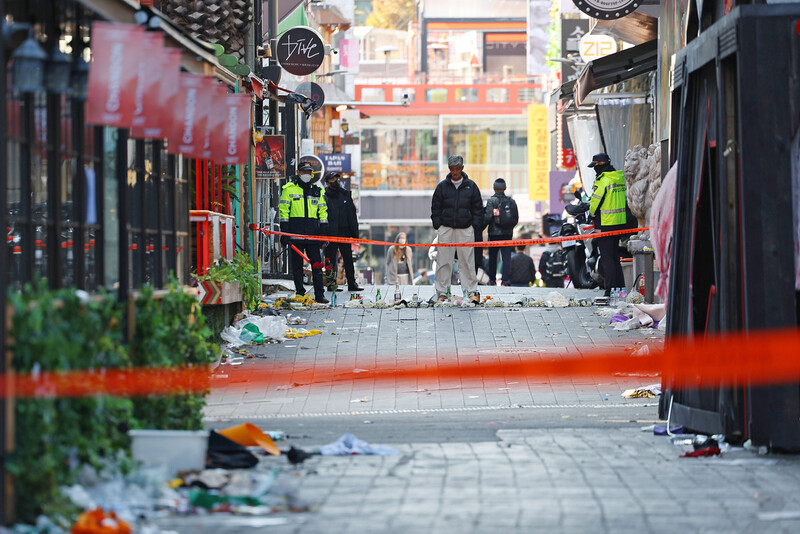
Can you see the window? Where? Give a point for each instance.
(398, 92)
(436, 95)
(399, 158)
(497, 94)
(466, 94)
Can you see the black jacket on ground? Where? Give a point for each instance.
(488, 219)
(342, 218)
(457, 208)
(523, 270)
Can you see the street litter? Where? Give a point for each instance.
(779, 516)
(249, 435)
(700, 453)
(348, 445)
(294, 333)
(644, 392)
(254, 329)
(661, 430)
(362, 399)
(294, 319)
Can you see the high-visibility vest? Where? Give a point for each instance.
(608, 195)
(303, 209)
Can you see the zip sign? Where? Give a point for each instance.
(596, 46)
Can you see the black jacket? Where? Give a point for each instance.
(457, 208)
(342, 218)
(522, 270)
(492, 221)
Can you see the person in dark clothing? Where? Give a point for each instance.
(456, 210)
(342, 222)
(501, 228)
(523, 271)
(303, 211)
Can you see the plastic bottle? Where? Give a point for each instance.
(378, 295)
(397, 295)
(623, 295)
(614, 295)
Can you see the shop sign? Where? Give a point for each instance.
(313, 92)
(607, 9)
(538, 153)
(318, 168)
(269, 153)
(231, 144)
(116, 49)
(596, 46)
(336, 162)
(147, 82)
(300, 51)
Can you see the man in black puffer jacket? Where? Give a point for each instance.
(342, 222)
(456, 209)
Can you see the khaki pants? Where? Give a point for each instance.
(466, 260)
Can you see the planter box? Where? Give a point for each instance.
(210, 292)
(177, 449)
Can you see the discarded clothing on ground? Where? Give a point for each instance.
(644, 392)
(699, 453)
(224, 453)
(349, 444)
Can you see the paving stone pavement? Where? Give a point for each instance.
(546, 475)
(356, 338)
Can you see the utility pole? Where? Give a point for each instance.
(3, 277)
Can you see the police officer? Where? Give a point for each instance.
(608, 207)
(303, 211)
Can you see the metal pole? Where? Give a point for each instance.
(6, 435)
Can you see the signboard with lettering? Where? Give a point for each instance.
(336, 162)
(596, 46)
(231, 146)
(113, 73)
(300, 51)
(607, 9)
(538, 153)
(269, 151)
(313, 92)
(571, 32)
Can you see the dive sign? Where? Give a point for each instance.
(300, 51)
(607, 9)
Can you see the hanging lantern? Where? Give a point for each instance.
(58, 72)
(80, 79)
(29, 63)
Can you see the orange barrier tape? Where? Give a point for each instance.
(757, 358)
(506, 243)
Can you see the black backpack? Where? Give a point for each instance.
(508, 214)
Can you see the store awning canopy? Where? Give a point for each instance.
(616, 68)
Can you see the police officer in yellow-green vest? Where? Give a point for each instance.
(608, 207)
(303, 211)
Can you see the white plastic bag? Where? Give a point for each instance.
(270, 326)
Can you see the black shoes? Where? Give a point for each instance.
(322, 300)
(354, 288)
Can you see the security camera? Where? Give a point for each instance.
(405, 99)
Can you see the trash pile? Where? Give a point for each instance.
(258, 329)
(553, 300)
(703, 446)
(237, 477)
(630, 316)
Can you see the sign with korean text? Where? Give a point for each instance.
(572, 30)
(269, 151)
(336, 162)
(349, 54)
(538, 153)
(116, 49)
(300, 51)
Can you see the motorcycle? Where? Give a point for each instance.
(582, 255)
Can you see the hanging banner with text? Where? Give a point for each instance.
(231, 144)
(538, 153)
(147, 82)
(116, 49)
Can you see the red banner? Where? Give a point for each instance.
(190, 114)
(215, 121)
(148, 83)
(159, 110)
(231, 145)
(116, 49)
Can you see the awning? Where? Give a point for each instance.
(297, 17)
(616, 68)
(565, 91)
(329, 16)
(636, 28)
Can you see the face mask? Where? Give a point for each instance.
(402, 241)
(305, 178)
(333, 185)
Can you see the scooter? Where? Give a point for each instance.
(582, 255)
